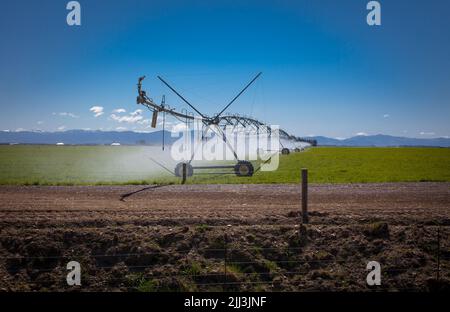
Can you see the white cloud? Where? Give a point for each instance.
(131, 118)
(362, 134)
(386, 116)
(119, 110)
(426, 133)
(66, 114)
(61, 128)
(40, 122)
(121, 129)
(167, 124)
(339, 138)
(180, 127)
(97, 110)
(136, 112)
(20, 130)
(144, 122)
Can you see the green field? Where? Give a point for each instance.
(72, 165)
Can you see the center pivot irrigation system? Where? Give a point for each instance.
(217, 124)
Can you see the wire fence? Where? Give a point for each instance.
(233, 267)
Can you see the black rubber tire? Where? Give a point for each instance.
(244, 169)
(179, 170)
(297, 150)
(285, 151)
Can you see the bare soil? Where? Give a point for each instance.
(225, 237)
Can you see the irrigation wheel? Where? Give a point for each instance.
(285, 151)
(179, 170)
(244, 169)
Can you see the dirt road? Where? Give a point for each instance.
(397, 203)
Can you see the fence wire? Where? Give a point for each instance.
(228, 270)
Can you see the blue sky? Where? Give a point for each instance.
(325, 71)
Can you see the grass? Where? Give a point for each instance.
(270, 266)
(194, 268)
(201, 228)
(147, 286)
(88, 165)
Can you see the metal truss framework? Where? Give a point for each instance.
(217, 123)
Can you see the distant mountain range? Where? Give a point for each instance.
(88, 137)
(382, 140)
(85, 137)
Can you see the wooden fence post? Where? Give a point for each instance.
(184, 173)
(438, 253)
(225, 256)
(305, 218)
